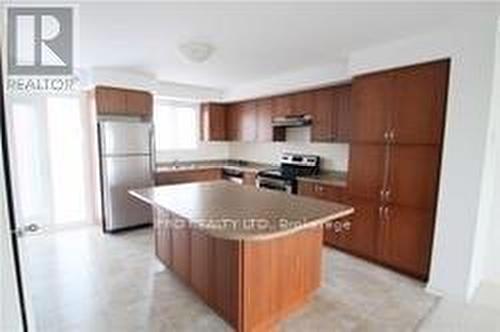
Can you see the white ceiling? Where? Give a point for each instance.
(253, 41)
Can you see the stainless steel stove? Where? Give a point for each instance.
(284, 178)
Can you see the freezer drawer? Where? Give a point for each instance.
(125, 138)
(119, 175)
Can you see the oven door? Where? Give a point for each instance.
(274, 184)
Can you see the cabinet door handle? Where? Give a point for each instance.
(387, 214)
(382, 195)
(386, 136)
(347, 226)
(381, 213)
(387, 195)
(392, 136)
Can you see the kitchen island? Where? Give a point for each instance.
(253, 255)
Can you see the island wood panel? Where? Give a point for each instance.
(278, 276)
(251, 285)
(181, 249)
(162, 235)
(201, 264)
(227, 280)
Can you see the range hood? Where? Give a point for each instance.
(292, 121)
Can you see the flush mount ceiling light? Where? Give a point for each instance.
(196, 52)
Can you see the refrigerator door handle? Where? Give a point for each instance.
(152, 151)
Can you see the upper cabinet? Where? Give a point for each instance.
(331, 114)
(116, 101)
(213, 122)
(400, 106)
(242, 121)
(303, 103)
(251, 120)
(282, 105)
(264, 115)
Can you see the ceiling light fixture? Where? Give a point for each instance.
(196, 52)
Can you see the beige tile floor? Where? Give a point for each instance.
(82, 280)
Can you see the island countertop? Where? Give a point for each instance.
(231, 211)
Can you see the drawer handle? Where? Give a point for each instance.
(347, 225)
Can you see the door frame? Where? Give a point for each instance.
(12, 227)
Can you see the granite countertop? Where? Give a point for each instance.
(230, 211)
(245, 166)
(333, 178)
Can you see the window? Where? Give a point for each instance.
(176, 125)
(52, 174)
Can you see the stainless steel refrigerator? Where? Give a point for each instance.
(127, 161)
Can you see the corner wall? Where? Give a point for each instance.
(471, 49)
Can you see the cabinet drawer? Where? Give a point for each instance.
(321, 191)
(186, 176)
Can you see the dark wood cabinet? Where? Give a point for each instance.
(303, 103)
(398, 119)
(331, 114)
(362, 238)
(264, 115)
(213, 118)
(282, 105)
(110, 100)
(419, 102)
(323, 125)
(413, 174)
(248, 124)
(242, 121)
(371, 102)
(404, 106)
(117, 101)
(249, 121)
(367, 170)
(343, 120)
(406, 235)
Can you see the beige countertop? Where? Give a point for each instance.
(232, 211)
(338, 179)
(210, 164)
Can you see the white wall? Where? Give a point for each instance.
(491, 264)
(471, 48)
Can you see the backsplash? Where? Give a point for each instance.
(334, 156)
(204, 151)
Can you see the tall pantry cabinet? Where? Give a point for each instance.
(396, 142)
